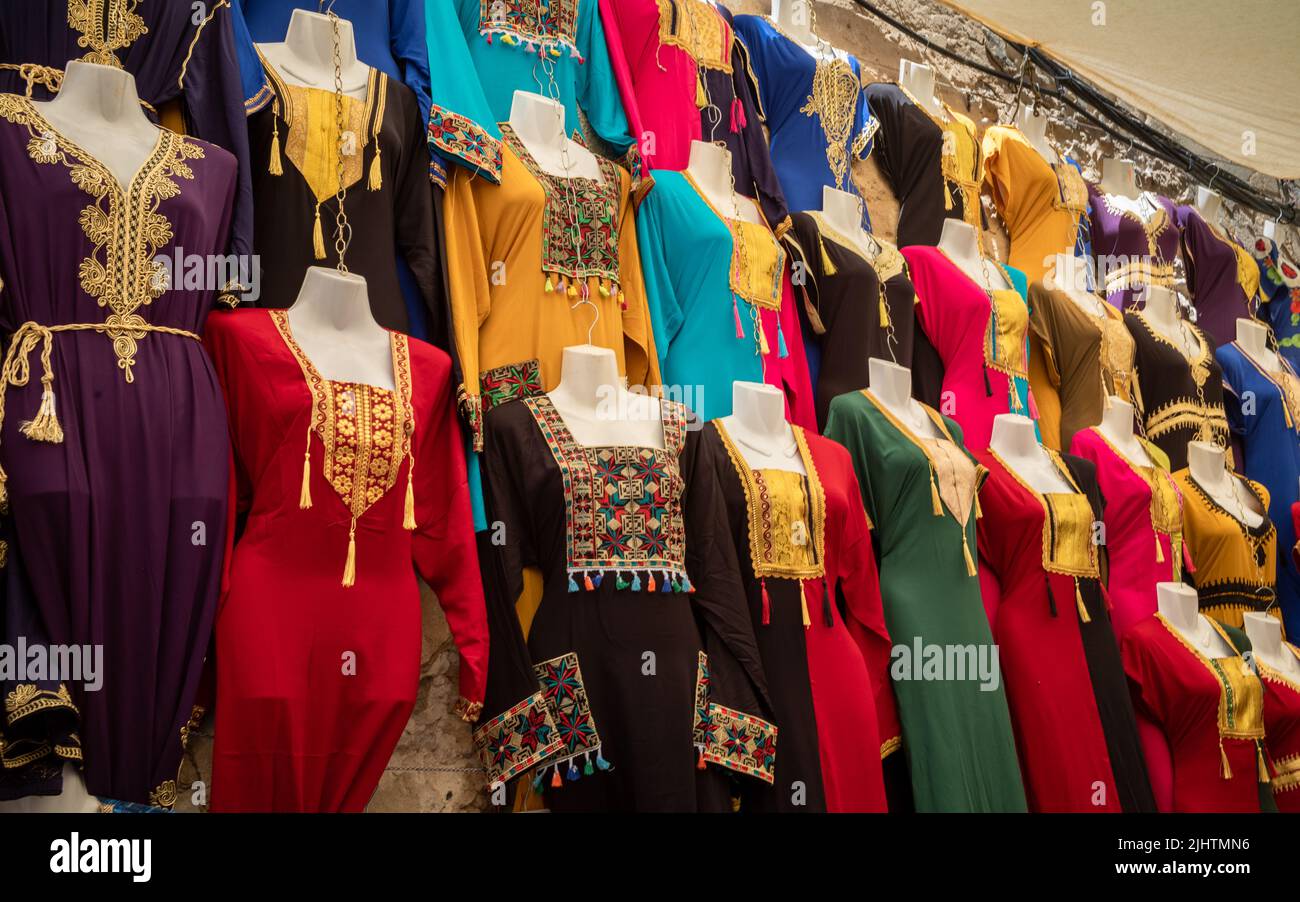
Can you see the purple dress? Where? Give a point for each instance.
(115, 449)
(1132, 252)
(1220, 273)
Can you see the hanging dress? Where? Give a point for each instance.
(721, 302)
(1132, 249)
(816, 113)
(639, 686)
(1073, 719)
(1222, 277)
(114, 447)
(1211, 712)
(931, 162)
(1233, 566)
(839, 285)
(1179, 396)
(921, 496)
(1282, 727)
(1279, 286)
(1264, 411)
(350, 490)
(1144, 525)
(814, 598)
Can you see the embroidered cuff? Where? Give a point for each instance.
(462, 138)
(27, 698)
(889, 746)
(517, 740)
(471, 410)
(509, 382)
(741, 742)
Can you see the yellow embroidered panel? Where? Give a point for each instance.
(757, 263)
(1067, 535)
(834, 101)
(1004, 340)
(105, 26)
(1118, 353)
(697, 29)
(124, 227)
(787, 514)
(1241, 694)
(1073, 194)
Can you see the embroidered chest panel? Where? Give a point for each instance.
(623, 504)
(105, 27)
(833, 99)
(580, 227)
(1117, 356)
(786, 513)
(699, 30)
(313, 144)
(1004, 339)
(1067, 535)
(1072, 190)
(544, 27)
(757, 264)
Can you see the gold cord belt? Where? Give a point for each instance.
(16, 371)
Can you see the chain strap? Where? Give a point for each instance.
(343, 229)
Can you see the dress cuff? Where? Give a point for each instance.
(741, 742)
(517, 740)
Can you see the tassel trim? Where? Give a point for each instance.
(350, 566)
(659, 579)
(318, 237)
(1225, 769)
(936, 505)
(1259, 758)
(304, 493)
(376, 180)
(971, 570)
(408, 508)
(828, 268)
(767, 603)
(275, 165)
(803, 607)
(44, 427)
(1078, 599)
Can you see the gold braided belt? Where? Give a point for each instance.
(16, 372)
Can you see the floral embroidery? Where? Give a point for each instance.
(28, 698)
(623, 509)
(164, 796)
(566, 698)
(127, 232)
(833, 99)
(106, 26)
(510, 382)
(537, 26)
(517, 739)
(741, 742)
(463, 138)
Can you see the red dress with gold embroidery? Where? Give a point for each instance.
(350, 491)
(1282, 727)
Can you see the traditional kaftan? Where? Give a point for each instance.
(1179, 393)
(920, 493)
(817, 114)
(1282, 727)
(1070, 706)
(1279, 286)
(980, 337)
(1222, 277)
(389, 204)
(838, 290)
(350, 490)
(684, 77)
(1264, 410)
(721, 302)
(1233, 566)
(117, 491)
(814, 598)
(172, 54)
(522, 256)
(1133, 249)
(1211, 712)
(1144, 525)
(636, 676)
(481, 52)
(933, 164)
(1082, 359)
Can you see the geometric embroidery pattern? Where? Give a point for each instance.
(566, 699)
(534, 26)
(702, 723)
(741, 742)
(517, 739)
(509, 382)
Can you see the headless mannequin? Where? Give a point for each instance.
(1118, 178)
(1161, 311)
(709, 167)
(306, 56)
(98, 108)
(793, 17)
(597, 409)
(1033, 125)
(1265, 635)
(890, 386)
(1270, 230)
(843, 213)
(1208, 465)
(539, 123)
(1252, 337)
(1070, 275)
(1117, 427)
(1177, 603)
(960, 242)
(332, 323)
(1209, 204)
(918, 79)
(757, 425)
(1014, 441)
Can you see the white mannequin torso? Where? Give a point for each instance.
(758, 427)
(306, 55)
(1161, 312)
(1209, 204)
(539, 123)
(98, 109)
(1252, 339)
(1265, 635)
(960, 243)
(918, 80)
(1178, 605)
(1118, 179)
(1014, 441)
(842, 211)
(1116, 427)
(709, 167)
(890, 386)
(332, 323)
(1033, 127)
(1070, 276)
(598, 411)
(1208, 466)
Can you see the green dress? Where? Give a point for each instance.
(918, 492)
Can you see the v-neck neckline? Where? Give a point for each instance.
(1203, 346)
(285, 329)
(1153, 466)
(1061, 471)
(840, 239)
(1011, 284)
(151, 160)
(1265, 524)
(727, 220)
(1190, 646)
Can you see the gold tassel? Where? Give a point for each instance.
(275, 167)
(350, 568)
(44, 427)
(947, 196)
(1160, 552)
(304, 494)
(1224, 768)
(803, 605)
(318, 239)
(376, 181)
(970, 561)
(828, 267)
(1263, 768)
(408, 517)
(884, 312)
(935, 504)
(978, 512)
(763, 346)
(1078, 598)
(701, 98)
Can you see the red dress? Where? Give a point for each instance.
(318, 632)
(1211, 712)
(1282, 727)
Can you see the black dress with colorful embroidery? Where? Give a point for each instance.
(633, 676)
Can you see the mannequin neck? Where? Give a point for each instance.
(843, 212)
(758, 410)
(1034, 127)
(709, 167)
(1070, 275)
(890, 383)
(1265, 634)
(335, 301)
(918, 79)
(1208, 465)
(1161, 310)
(1118, 177)
(99, 96)
(1178, 604)
(1117, 419)
(960, 242)
(588, 378)
(310, 40)
(1252, 337)
(538, 120)
(1014, 437)
(1209, 205)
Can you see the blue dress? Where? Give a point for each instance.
(1264, 410)
(1279, 286)
(817, 114)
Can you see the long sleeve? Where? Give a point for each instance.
(666, 315)
(752, 142)
(639, 339)
(470, 301)
(413, 215)
(443, 542)
(460, 122)
(598, 92)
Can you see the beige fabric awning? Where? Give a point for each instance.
(1225, 74)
